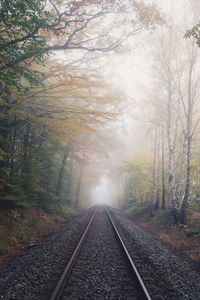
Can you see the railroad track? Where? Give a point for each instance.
(101, 266)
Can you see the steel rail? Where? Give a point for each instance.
(132, 265)
(57, 292)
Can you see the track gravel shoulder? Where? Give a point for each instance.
(33, 274)
(168, 268)
(101, 271)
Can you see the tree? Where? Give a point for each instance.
(27, 27)
(138, 173)
(21, 42)
(50, 111)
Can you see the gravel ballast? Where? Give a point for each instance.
(34, 274)
(170, 276)
(101, 270)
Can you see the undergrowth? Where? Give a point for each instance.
(20, 227)
(184, 238)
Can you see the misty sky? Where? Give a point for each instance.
(132, 73)
(104, 193)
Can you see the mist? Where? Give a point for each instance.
(152, 76)
(103, 193)
(100, 149)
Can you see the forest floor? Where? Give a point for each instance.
(183, 240)
(22, 228)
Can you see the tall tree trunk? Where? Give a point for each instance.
(25, 168)
(154, 187)
(4, 142)
(78, 189)
(163, 205)
(69, 178)
(157, 204)
(61, 172)
(12, 175)
(171, 168)
(157, 200)
(181, 176)
(183, 211)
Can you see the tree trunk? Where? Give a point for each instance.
(163, 205)
(12, 175)
(78, 188)
(157, 200)
(154, 188)
(69, 180)
(61, 173)
(184, 206)
(183, 211)
(171, 168)
(25, 165)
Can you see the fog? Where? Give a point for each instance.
(139, 73)
(99, 106)
(104, 193)
(116, 119)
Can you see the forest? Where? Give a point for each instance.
(93, 91)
